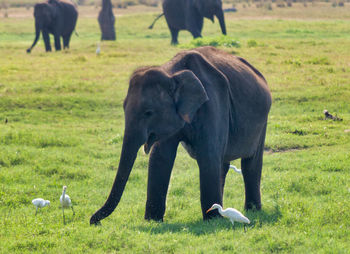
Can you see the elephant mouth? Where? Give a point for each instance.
(149, 143)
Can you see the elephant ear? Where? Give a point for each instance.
(189, 94)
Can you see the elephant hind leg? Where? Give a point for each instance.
(174, 34)
(251, 170)
(46, 38)
(66, 40)
(57, 42)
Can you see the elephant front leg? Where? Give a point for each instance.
(251, 170)
(210, 184)
(46, 40)
(160, 166)
(57, 42)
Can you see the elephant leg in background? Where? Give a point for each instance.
(46, 38)
(195, 25)
(224, 170)
(195, 34)
(161, 163)
(251, 170)
(174, 34)
(66, 40)
(57, 42)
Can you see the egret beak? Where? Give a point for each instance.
(209, 210)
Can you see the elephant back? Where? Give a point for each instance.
(174, 12)
(69, 15)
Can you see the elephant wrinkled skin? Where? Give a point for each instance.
(54, 17)
(215, 104)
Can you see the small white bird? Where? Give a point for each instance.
(40, 203)
(98, 50)
(231, 213)
(65, 202)
(239, 171)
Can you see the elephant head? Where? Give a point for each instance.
(44, 14)
(211, 8)
(156, 107)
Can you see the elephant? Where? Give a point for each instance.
(54, 17)
(213, 103)
(189, 15)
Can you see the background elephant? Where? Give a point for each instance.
(216, 105)
(54, 17)
(189, 14)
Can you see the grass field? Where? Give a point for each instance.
(65, 127)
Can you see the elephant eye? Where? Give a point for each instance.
(148, 113)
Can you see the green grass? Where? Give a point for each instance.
(65, 127)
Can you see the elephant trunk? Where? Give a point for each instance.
(37, 35)
(220, 15)
(127, 159)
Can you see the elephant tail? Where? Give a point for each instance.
(239, 171)
(151, 26)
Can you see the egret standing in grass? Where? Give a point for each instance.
(65, 202)
(98, 50)
(39, 203)
(232, 214)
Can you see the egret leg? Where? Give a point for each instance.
(233, 224)
(64, 220)
(36, 211)
(245, 228)
(73, 210)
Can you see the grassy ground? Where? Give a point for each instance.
(65, 127)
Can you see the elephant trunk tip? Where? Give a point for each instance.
(94, 220)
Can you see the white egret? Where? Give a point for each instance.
(65, 202)
(231, 213)
(239, 171)
(98, 50)
(39, 203)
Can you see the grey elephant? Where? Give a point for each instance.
(54, 17)
(212, 102)
(189, 15)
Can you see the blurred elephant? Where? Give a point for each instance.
(54, 17)
(189, 15)
(216, 105)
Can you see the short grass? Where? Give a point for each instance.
(65, 127)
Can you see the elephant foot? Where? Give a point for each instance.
(174, 43)
(210, 215)
(154, 218)
(154, 213)
(252, 206)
